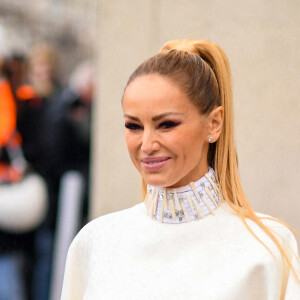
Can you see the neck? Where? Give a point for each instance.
(184, 204)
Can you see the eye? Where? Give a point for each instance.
(133, 126)
(168, 124)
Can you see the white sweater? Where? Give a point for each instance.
(127, 255)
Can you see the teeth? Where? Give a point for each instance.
(153, 163)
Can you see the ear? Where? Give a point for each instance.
(215, 123)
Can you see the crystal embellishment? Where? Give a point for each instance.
(184, 204)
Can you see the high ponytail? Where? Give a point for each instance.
(202, 71)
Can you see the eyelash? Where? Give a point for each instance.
(168, 124)
(163, 125)
(132, 126)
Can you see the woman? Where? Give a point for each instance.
(201, 239)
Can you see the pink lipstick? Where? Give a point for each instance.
(154, 163)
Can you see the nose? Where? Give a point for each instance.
(150, 143)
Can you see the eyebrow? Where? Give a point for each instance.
(155, 118)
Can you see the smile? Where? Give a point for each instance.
(154, 163)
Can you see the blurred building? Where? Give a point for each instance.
(69, 25)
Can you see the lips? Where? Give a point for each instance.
(154, 163)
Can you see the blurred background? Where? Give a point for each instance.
(47, 62)
(63, 160)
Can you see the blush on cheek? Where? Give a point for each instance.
(131, 141)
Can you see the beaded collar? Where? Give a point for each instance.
(184, 204)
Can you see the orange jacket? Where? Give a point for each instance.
(8, 113)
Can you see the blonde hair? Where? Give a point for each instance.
(202, 70)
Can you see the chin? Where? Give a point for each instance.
(158, 180)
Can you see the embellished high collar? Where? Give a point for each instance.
(184, 204)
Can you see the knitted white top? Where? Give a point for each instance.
(130, 255)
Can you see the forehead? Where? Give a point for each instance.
(154, 93)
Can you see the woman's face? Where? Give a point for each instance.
(166, 136)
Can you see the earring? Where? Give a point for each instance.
(210, 138)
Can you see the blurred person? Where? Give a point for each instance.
(7, 108)
(14, 70)
(11, 284)
(44, 87)
(22, 202)
(77, 117)
(69, 134)
(69, 152)
(35, 100)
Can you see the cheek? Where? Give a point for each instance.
(184, 141)
(132, 142)
(189, 143)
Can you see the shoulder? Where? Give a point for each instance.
(92, 248)
(270, 232)
(277, 226)
(238, 230)
(280, 230)
(102, 227)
